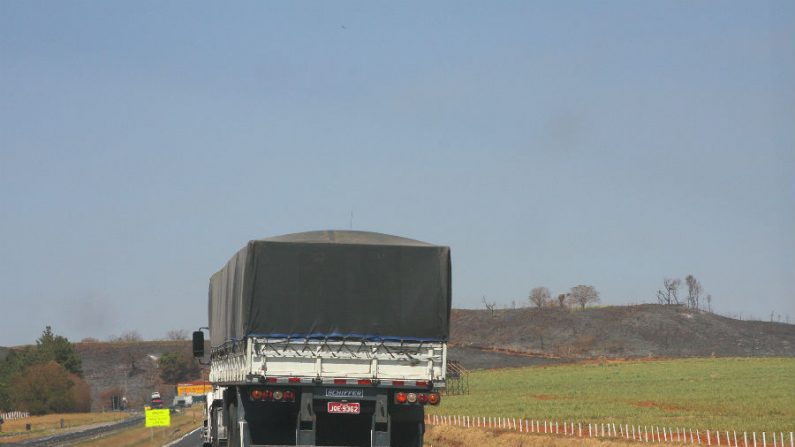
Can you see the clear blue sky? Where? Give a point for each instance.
(548, 143)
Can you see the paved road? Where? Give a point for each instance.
(192, 440)
(71, 437)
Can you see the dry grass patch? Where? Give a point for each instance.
(140, 436)
(446, 436)
(14, 431)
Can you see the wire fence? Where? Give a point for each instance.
(638, 433)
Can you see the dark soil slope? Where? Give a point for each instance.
(126, 369)
(619, 331)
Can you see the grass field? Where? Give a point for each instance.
(14, 431)
(753, 394)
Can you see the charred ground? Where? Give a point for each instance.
(531, 334)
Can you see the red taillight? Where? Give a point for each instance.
(256, 394)
(400, 397)
(422, 398)
(289, 396)
(397, 382)
(294, 380)
(340, 381)
(267, 394)
(365, 382)
(434, 398)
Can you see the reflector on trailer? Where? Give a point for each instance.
(365, 381)
(340, 381)
(294, 380)
(397, 382)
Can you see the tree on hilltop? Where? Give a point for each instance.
(489, 305)
(693, 291)
(670, 294)
(539, 296)
(562, 298)
(584, 295)
(177, 334)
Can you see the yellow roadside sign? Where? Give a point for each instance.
(158, 418)
(197, 388)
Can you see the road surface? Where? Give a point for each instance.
(193, 439)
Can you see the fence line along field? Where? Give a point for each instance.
(743, 394)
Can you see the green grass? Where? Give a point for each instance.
(743, 394)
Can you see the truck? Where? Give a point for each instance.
(326, 338)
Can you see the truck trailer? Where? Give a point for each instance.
(326, 338)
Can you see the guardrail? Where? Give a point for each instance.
(638, 433)
(13, 415)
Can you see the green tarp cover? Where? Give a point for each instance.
(333, 284)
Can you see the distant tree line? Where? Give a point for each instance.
(46, 378)
(578, 296)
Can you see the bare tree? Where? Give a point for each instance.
(671, 293)
(177, 334)
(562, 300)
(539, 296)
(129, 336)
(693, 291)
(489, 306)
(709, 303)
(584, 295)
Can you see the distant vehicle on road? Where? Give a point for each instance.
(327, 338)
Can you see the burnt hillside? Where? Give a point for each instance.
(126, 369)
(619, 331)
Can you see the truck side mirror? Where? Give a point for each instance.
(198, 344)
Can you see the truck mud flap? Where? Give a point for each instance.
(307, 421)
(381, 423)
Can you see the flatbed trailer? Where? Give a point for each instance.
(327, 369)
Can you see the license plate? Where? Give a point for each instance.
(344, 407)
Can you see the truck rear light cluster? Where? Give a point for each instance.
(278, 395)
(402, 397)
